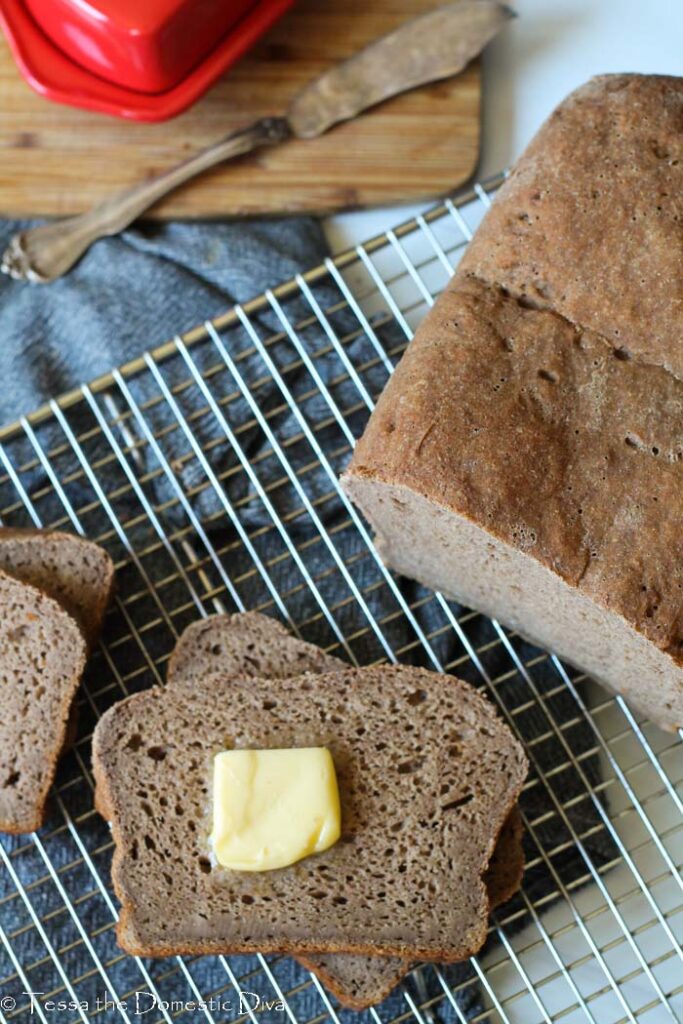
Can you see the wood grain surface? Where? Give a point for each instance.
(57, 160)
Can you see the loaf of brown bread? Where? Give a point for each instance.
(427, 776)
(74, 571)
(42, 658)
(251, 644)
(526, 458)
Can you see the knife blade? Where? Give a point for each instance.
(434, 46)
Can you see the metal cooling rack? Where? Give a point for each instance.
(155, 462)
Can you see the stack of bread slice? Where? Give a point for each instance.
(54, 588)
(428, 776)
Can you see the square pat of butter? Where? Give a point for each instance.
(271, 808)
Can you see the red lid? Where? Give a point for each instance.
(54, 75)
(148, 45)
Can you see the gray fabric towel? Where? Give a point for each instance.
(134, 292)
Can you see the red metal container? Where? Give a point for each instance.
(141, 59)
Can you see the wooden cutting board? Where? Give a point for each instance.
(56, 160)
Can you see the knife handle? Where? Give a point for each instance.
(47, 252)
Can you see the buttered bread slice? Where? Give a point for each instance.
(257, 645)
(427, 776)
(362, 981)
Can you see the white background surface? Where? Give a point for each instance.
(553, 46)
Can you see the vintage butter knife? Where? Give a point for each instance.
(433, 46)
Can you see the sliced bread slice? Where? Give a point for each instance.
(427, 774)
(76, 572)
(253, 644)
(42, 657)
(244, 644)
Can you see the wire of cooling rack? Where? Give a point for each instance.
(209, 469)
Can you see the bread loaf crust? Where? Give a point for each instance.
(539, 433)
